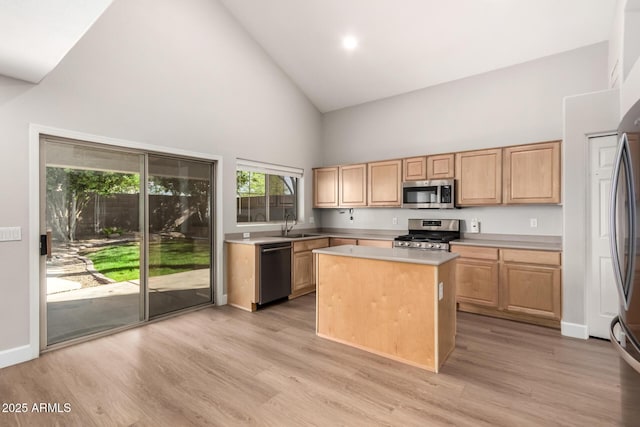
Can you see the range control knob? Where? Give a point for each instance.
(438, 246)
(430, 245)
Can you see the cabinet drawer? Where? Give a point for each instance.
(477, 252)
(531, 257)
(309, 245)
(376, 243)
(337, 241)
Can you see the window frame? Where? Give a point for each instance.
(269, 169)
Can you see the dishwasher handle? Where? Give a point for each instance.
(280, 248)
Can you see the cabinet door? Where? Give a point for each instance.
(477, 282)
(479, 177)
(414, 169)
(440, 166)
(532, 173)
(353, 185)
(302, 271)
(531, 290)
(385, 183)
(325, 187)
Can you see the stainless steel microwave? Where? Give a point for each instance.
(434, 194)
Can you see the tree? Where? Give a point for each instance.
(70, 190)
(191, 203)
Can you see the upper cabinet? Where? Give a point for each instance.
(325, 187)
(479, 177)
(353, 185)
(518, 174)
(414, 169)
(532, 173)
(440, 166)
(385, 183)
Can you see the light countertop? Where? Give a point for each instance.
(259, 240)
(510, 244)
(412, 256)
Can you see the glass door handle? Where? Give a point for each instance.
(45, 244)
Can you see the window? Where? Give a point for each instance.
(266, 193)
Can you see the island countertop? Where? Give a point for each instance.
(413, 256)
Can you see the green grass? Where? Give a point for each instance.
(122, 262)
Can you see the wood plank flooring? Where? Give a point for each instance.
(224, 367)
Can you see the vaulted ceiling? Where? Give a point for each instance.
(403, 45)
(36, 34)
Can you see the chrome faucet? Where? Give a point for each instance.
(286, 228)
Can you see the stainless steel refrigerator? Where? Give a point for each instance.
(625, 252)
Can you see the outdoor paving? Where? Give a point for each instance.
(79, 312)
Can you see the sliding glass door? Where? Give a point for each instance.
(130, 237)
(179, 234)
(93, 214)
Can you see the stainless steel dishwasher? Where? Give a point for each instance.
(275, 271)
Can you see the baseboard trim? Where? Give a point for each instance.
(16, 355)
(574, 330)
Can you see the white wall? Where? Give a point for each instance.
(172, 74)
(584, 115)
(515, 105)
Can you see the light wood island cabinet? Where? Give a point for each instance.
(403, 310)
(441, 166)
(352, 185)
(325, 187)
(384, 183)
(532, 173)
(479, 177)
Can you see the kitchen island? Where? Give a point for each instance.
(395, 302)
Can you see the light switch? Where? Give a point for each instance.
(8, 234)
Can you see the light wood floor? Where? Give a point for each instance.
(223, 366)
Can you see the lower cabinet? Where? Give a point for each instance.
(304, 278)
(376, 243)
(340, 241)
(521, 285)
(531, 286)
(477, 282)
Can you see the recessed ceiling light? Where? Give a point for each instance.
(350, 42)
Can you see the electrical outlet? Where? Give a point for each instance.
(246, 235)
(440, 290)
(394, 220)
(312, 220)
(533, 222)
(474, 226)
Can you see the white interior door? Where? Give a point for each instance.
(602, 293)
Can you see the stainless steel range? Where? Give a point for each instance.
(430, 234)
